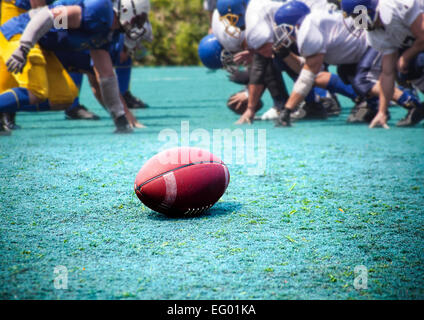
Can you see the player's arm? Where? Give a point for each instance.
(42, 20)
(109, 87)
(305, 81)
(108, 82)
(95, 88)
(417, 29)
(255, 88)
(387, 86)
(303, 85)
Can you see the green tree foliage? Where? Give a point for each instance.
(178, 27)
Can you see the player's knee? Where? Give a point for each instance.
(361, 86)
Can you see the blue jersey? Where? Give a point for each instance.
(25, 4)
(81, 61)
(94, 33)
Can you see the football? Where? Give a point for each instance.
(182, 181)
(243, 107)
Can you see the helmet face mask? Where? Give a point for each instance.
(135, 29)
(227, 61)
(231, 29)
(132, 16)
(284, 34)
(232, 14)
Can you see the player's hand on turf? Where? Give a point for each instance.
(17, 61)
(238, 100)
(379, 120)
(133, 121)
(244, 57)
(246, 117)
(284, 119)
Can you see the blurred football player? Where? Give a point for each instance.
(395, 28)
(31, 73)
(232, 44)
(9, 10)
(324, 36)
(256, 17)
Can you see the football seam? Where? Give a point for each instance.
(175, 169)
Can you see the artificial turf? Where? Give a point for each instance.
(333, 196)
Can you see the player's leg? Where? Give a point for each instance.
(8, 10)
(123, 72)
(415, 78)
(77, 111)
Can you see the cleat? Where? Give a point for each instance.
(133, 102)
(331, 105)
(310, 111)
(80, 113)
(122, 125)
(4, 129)
(12, 124)
(271, 114)
(414, 116)
(362, 113)
(8, 119)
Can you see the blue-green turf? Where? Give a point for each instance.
(333, 197)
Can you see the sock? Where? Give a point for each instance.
(310, 98)
(321, 92)
(77, 78)
(13, 100)
(336, 85)
(123, 72)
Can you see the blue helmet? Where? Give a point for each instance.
(353, 8)
(210, 52)
(286, 19)
(233, 11)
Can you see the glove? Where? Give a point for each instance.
(18, 59)
(283, 119)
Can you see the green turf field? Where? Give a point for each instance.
(333, 197)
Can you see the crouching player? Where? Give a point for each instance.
(30, 73)
(10, 9)
(395, 28)
(344, 47)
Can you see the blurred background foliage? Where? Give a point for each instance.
(178, 27)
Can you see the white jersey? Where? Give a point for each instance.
(330, 34)
(259, 22)
(397, 17)
(228, 42)
(260, 19)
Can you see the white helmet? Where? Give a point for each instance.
(132, 15)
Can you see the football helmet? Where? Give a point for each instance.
(132, 16)
(232, 14)
(353, 8)
(210, 52)
(287, 19)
